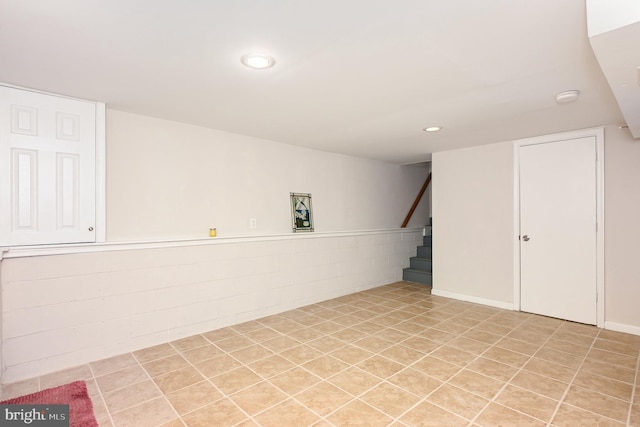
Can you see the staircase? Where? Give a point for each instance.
(420, 266)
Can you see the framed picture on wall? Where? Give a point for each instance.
(301, 212)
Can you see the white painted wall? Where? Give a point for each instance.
(622, 230)
(170, 180)
(473, 226)
(73, 308)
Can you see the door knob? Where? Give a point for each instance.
(525, 237)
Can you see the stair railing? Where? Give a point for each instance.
(415, 204)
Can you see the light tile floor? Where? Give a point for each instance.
(390, 356)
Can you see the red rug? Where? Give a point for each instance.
(73, 394)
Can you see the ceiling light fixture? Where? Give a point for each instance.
(567, 96)
(258, 61)
(432, 129)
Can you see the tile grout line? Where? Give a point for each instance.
(633, 390)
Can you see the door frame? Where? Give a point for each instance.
(598, 133)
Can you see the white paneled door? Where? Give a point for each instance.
(47, 168)
(558, 216)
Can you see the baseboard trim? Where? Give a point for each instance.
(622, 327)
(469, 298)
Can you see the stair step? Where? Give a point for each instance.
(425, 252)
(417, 276)
(426, 240)
(418, 263)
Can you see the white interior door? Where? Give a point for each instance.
(558, 215)
(47, 169)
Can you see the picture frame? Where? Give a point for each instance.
(301, 212)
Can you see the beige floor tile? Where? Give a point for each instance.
(112, 364)
(426, 414)
(323, 398)
(421, 344)
(217, 365)
(437, 335)
(63, 377)
(567, 347)
(287, 413)
(326, 344)
(454, 355)
(436, 367)
(508, 357)
(235, 380)
(527, 402)
(351, 354)
(201, 354)
(452, 328)
(220, 334)
(566, 336)
(294, 381)
(482, 336)
(380, 366)
(262, 334)
(301, 354)
(458, 401)
(258, 398)
(629, 339)
(390, 399)
(373, 344)
(518, 346)
(327, 327)
(354, 380)
(597, 402)
(148, 414)
(618, 359)
(604, 385)
(20, 388)
(469, 345)
(498, 415)
(540, 384)
(251, 354)
(616, 347)
(193, 397)
(173, 423)
(492, 369)
(477, 383)
(402, 354)
(303, 335)
(415, 382)
(132, 395)
(271, 366)
(153, 353)
(246, 327)
(178, 379)
(570, 416)
(234, 343)
(609, 370)
(550, 370)
(280, 344)
(165, 365)
(358, 413)
(634, 415)
(559, 357)
(189, 343)
(348, 335)
(528, 337)
(392, 335)
(221, 413)
(122, 378)
(325, 366)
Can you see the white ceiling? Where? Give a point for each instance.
(360, 77)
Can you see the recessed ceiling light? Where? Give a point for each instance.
(258, 61)
(567, 96)
(432, 129)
